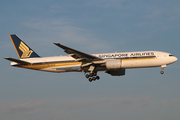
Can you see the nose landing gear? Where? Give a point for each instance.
(162, 69)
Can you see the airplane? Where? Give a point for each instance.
(114, 64)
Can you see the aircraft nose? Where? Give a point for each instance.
(175, 59)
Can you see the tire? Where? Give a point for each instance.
(90, 79)
(94, 78)
(97, 77)
(90, 74)
(87, 76)
(94, 74)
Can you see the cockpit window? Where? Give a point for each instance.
(171, 55)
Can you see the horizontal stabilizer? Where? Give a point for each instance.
(17, 61)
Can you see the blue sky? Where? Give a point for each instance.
(96, 26)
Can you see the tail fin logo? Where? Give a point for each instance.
(25, 50)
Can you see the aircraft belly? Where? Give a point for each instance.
(70, 68)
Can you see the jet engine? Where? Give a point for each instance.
(119, 72)
(113, 64)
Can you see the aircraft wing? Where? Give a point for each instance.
(78, 55)
(16, 60)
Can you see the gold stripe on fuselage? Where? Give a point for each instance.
(39, 66)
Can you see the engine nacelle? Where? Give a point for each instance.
(113, 64)
(119, 72)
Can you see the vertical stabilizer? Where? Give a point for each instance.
(22, 49)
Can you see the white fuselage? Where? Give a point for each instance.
(140, 59)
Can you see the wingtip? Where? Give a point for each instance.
(57, 44)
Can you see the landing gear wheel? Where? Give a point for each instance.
(94, 78)
(87, 76)
(94, 74)
(97, 77)
(90, 74)
(90, 79)
(162, 72)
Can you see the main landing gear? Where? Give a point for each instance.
(92, 76)
(162, 69)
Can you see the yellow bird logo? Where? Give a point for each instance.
(26, 52)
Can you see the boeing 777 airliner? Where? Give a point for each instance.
(77, 61)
